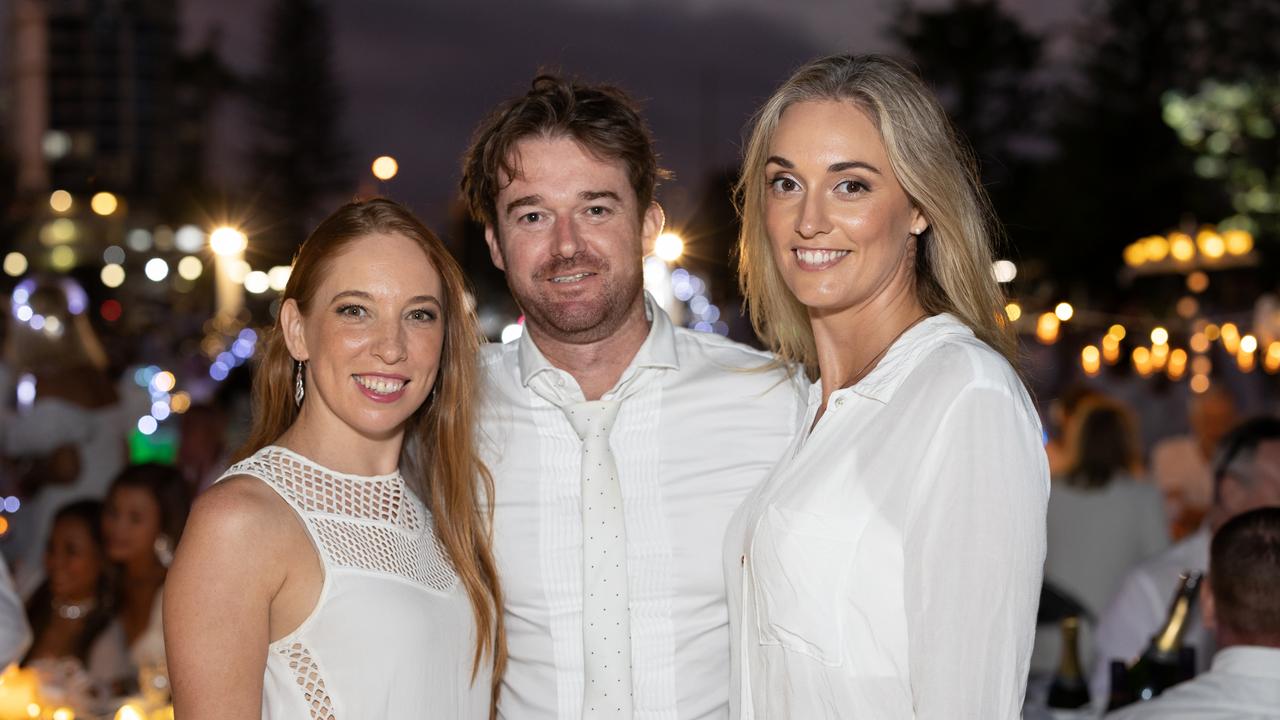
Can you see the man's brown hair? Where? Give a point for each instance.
(1244, 575)
(600, 118)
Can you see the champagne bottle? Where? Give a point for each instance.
(1164, 663)
(1069, 689)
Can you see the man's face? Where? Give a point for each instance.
(570, 237)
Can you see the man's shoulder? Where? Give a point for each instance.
(741, 371)
(1208, 695)
(718, 350)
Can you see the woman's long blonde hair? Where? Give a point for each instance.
(939, 176)
(438, 458)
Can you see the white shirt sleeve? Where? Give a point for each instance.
(974, 555)
(15, 634)
(46, 426)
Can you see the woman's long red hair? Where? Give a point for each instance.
(438, 458)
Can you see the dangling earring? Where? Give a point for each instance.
(164, 550)
(298, 389)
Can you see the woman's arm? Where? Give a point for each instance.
(975, 549)
(229, 567)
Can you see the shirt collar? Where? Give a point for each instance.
(1248, 660)
(906, 352)
(658, 350)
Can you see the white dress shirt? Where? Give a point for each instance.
(890, 567)
(1243, 684)
(1141, 606)
(697, 429)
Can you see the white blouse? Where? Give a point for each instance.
(392, 634)
(891, 565)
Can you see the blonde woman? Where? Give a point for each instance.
(890, 567)
(342, 569)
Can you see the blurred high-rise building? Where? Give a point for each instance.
(93, 95)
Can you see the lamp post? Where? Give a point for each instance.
(228, 245)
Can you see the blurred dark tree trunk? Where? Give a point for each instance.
(984, 67)
(203, 81)
(299, 154)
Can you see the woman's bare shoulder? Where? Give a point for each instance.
(240, 512)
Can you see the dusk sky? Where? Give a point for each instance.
(417, 76)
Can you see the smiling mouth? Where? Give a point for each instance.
(818, 259)
(381, 386)
(571, 278)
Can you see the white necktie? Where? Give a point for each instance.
(606, 617)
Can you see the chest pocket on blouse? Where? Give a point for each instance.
(800, 563)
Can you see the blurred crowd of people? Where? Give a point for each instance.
(87, 535)
(1126, 522)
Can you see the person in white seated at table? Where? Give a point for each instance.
(1101, 522)
(342, 569)
(890, 567)
(1240, 604)
(1247, 476)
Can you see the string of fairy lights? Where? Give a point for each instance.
(1180, 349)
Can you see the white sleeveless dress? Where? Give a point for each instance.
(392, 634)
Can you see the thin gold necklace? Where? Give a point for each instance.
(871, 363)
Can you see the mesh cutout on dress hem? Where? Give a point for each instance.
(310, 681)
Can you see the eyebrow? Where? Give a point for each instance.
(584, 195)
(522, 201)
(366, 296)
(834, 167)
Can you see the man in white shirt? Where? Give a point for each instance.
(563, 180)
(1238, 602)
(1248, 477)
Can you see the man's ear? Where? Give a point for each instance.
(1208, 611)
(295, 337)
(651, 225)
(495, 247)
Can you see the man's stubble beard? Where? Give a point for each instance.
(589, 320)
